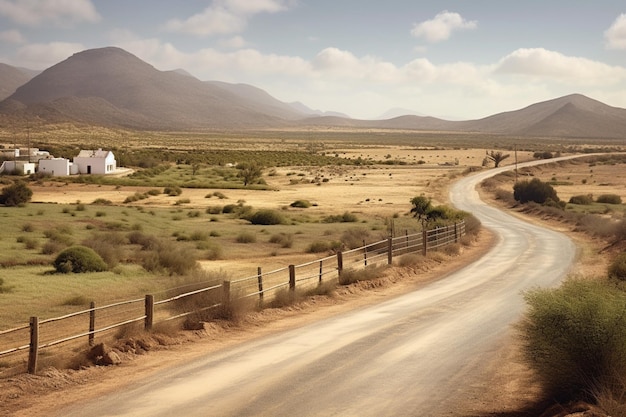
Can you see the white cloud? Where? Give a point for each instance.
(542, 63)
(43, 55)
(441, 27)
(616, 35)
(236, 42)
(12, 36)
(224, 17)
(60, 12)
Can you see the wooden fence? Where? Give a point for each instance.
(40, 334)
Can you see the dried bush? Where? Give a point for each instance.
(609, 199)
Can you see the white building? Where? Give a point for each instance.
(57, 167)
(19, 167)
(95, 162)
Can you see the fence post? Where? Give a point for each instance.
(292, 278)
(339, 262)
(149, 305)
(226, 295)
(406, 237)
(389, 251)
(320, 277)
(424, 241)
(92, 322)
(364, 253)
(259, 277)
(33, 350)
(456, 233)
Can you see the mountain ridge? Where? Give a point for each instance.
(112, 87)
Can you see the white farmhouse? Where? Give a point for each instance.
(17, 167)
(57, 167)
(95, 162)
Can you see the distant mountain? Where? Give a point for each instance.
(398, 112)
(112, 87)
(574, 115)
(11, 78)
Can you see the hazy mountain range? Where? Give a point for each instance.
(112, 87)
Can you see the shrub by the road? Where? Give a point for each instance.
(534, 190)
(575, 339)
(617, 269)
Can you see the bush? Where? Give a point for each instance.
(172, 191)
(534, 190)
(16, 194)
(267, 217)
(324, 246)
(617, 269)
(609, 199)
(246, 237)
(355, 238)
(79, 259)
(341, 218)
(283, 239)
(350, 276)
(575, 338)
(581, 199)
(301, 204)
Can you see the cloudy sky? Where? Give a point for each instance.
(460, 59)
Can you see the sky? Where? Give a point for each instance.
(458, 60)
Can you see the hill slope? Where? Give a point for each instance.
(10, 79)
(111, 86)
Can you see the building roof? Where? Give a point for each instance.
(93, 153)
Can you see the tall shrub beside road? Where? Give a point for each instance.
(575, 339)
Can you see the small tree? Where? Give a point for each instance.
(250, 172)
(497, 157)
(16, 194)
(421, 208)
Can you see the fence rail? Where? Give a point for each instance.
(42, 334)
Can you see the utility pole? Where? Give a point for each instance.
(515, 163)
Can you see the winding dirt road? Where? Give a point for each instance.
(404, 357)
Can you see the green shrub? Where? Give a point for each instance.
(534, 190)
(609, 199)
(575, 338)
(79, 259)
(581, 199)
(617, 269)
(267, 217)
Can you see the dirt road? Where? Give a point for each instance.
(404, 357)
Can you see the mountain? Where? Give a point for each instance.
(574, 115)
(113, 87)
(398, 112)
(11, 78)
